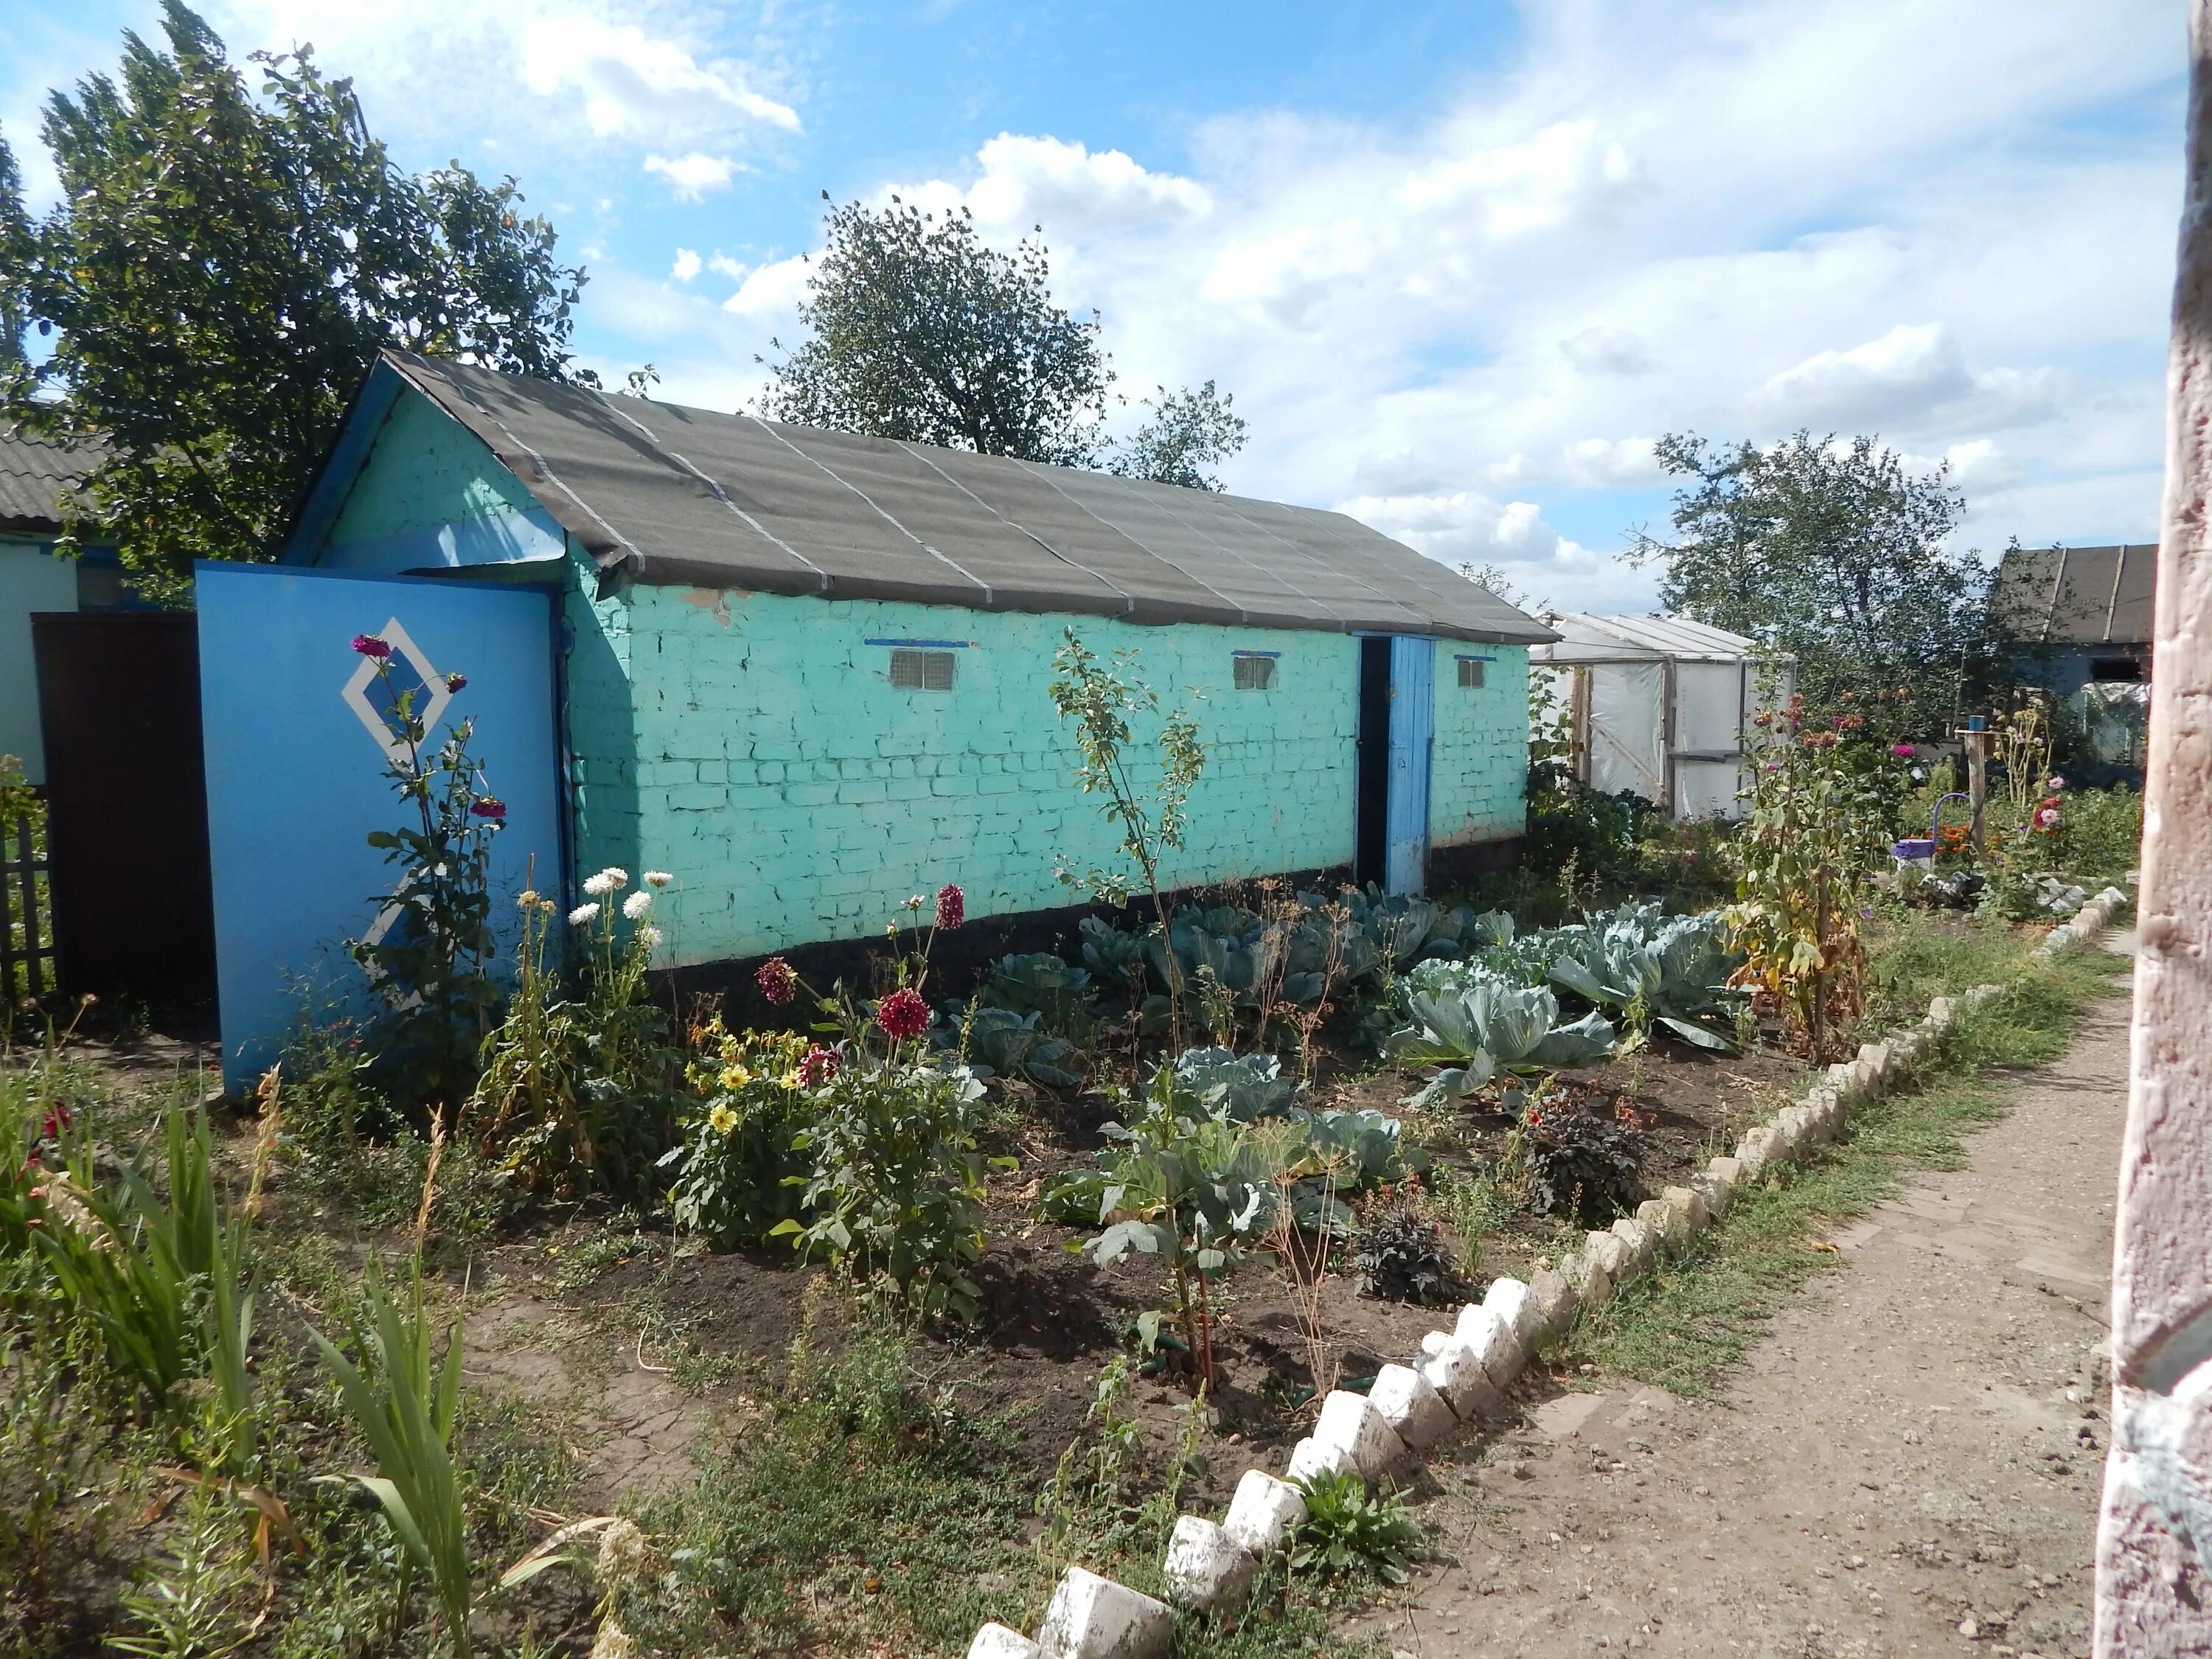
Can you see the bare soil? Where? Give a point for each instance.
(1909, 1464)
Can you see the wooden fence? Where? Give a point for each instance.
(26, 929)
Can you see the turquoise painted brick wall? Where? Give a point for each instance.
(1479, 777)
(426, 470)
(754, 746)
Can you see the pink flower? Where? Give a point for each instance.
(902, 1014)
(2047, 817)
(2057, 782)
(489, 806)
(818, 1065)
(1903, 751)
(455, 682)
(952, 906)
(776, 981)
(369, 646)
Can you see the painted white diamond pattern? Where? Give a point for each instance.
(434, 695)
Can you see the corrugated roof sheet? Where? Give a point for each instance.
(2076, 595)
(1585, 638)
(36, 475)
(695, 496)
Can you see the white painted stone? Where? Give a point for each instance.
(1606, 1251)
(1262, 1512)
(1587, 1277)
(1786, 1137)
(1755, 1152)
(1509, 1299)
(1310, 1458)
(1553, 1300)
(1640, 1242)
(1687, 1212)
(1454, 1371)
(1205, 1567)
(1408, 1401)
(1498, 1348)
(1939, 1011)
(1095, 1618)
(1351, 1422)
(997, 1642)
(1716, 1184)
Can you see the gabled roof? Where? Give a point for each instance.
(1586, 639)
(668, 495)
(2076, 595)
(37, 477)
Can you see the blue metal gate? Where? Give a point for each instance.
(297, 752)
(1413, 740)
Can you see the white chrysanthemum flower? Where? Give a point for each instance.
(525, 899)
(658, 878)
(613, 1643)
(637, 904)
(609, 880)
(648, 937)
(623, 1553)
(583, 916)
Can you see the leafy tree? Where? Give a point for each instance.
(220, 274)
(1835, 553)
(919, 330)
(922, 332)
(1189, 433)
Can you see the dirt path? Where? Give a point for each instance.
(1909, 1464)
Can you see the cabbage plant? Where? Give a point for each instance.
(1476, 1027)
(1650, 967)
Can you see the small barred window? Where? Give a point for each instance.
(1252, 672)
(921, 670)
(1470, 673)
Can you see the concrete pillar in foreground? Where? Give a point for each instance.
(2155, 1532)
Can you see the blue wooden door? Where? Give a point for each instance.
(297, 746)
(1412, 736)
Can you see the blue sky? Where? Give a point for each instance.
(1460, 263)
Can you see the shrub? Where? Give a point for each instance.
(2100, 833)
(1580, 1163)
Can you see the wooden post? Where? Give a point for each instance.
(2154, 1526)
(1978, 782)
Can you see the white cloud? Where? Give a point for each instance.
(1611, 464)
(1914, 366)
(686, 266)
(1464, 527)
(722, 265)
(1537, 184)
(1601, 350)
(771, 290)
(693, 175)
(640, 87)
(1071, 189)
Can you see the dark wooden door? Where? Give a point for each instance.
(126, 796)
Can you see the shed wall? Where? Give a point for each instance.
(31, 580)
(753, 745)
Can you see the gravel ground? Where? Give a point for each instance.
(1908, 1464)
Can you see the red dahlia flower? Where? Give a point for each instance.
(776, 981)
(902, 1014)
(455, 682)
(818, 1065)
(369, 646)
(952, 906)
(491, 807)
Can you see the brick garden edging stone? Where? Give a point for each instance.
(1463, 1374)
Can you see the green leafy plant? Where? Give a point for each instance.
(405, 1407)
(738, 1167)
(1476, 1027)
(897, 1190)
(193, 1605)
(1805, 857)
(1648, 966)
(1042, 984)
(999, 1042)
(163, 1280)
(1348, 1531)
(1101, 699)
(429, 958)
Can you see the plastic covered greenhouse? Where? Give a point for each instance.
(1660, 705)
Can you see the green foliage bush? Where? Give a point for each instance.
(1348, 1531)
